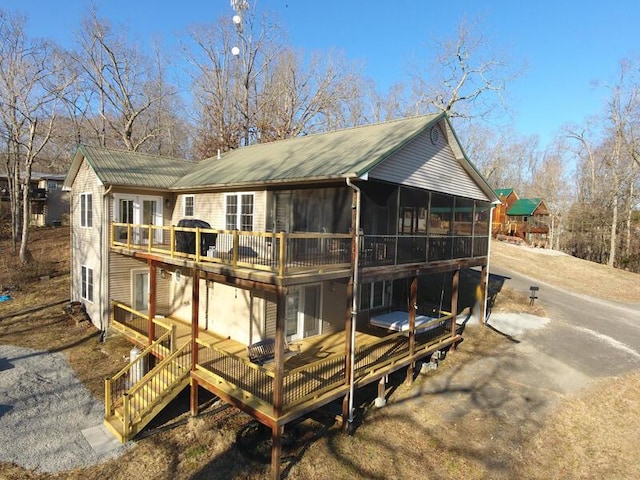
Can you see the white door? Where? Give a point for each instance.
(139, 210)
(141, 291)
(151, 216)
(302, 312)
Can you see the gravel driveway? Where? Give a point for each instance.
(43, 410)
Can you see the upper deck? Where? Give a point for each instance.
(289, 258)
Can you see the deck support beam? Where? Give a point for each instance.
(278, 388)
(484, 285)
(347, 351)
(413, 305)
(381, 399)
(455, 286)
(195, 309)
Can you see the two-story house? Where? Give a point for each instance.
(280, 276)
(48, 203)
(526, 218)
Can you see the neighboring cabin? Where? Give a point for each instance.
(49, 203)
(281, 276)
(526, 218)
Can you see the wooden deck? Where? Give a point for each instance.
(314, 373)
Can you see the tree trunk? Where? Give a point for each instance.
(627, 247)
(25, 254)
(614, 230)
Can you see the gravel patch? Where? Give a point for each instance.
(515, 324)
(43, 409)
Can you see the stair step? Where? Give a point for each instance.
(163, 384)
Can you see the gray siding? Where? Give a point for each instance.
(427, 166)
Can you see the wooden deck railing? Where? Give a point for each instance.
(120, 383)
(280, 253)
(287, 253)
(303, 383)
(135, 325)
(140, 400)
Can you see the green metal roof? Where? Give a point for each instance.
(524, 206)
(503, 192)
(349, 152)
(133, 169)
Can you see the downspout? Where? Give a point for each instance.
(354, 303)
(486, 287)
(104, 259)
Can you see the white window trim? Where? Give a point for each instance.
(239, 195)
(88, 212)
(184, 205)
(87, 269)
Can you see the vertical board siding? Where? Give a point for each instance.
(427, 166)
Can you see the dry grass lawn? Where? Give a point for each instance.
(569, 272)
(592, 435)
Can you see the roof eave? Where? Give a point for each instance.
(262, 184)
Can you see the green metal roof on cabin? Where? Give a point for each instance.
(133, 169)
(503, 192)
(524, 206)
(349, 152)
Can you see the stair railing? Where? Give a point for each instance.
(116, 386)
(140, 399)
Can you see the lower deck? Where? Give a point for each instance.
(315, 370)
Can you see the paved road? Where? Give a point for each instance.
(595, 337)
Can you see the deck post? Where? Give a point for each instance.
(413, 306)
(276, 450)
(455, 283)
(236, 248)
(152, 300)
(278, 390)
(107, 396)
(347, 350)
(484, 281)
(279, 351)
(282, 254)
(126, 413)
(195, 304)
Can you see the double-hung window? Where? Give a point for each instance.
(239, 212)
(86, 206)
(87, 283)
(189, 205)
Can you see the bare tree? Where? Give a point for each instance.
(301, 97)
(31, 85)
(212, 68)
(466, 79)
(120, 84)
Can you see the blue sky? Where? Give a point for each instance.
(566, 44)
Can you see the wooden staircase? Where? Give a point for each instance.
(130, 406)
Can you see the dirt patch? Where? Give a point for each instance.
(592, 435)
